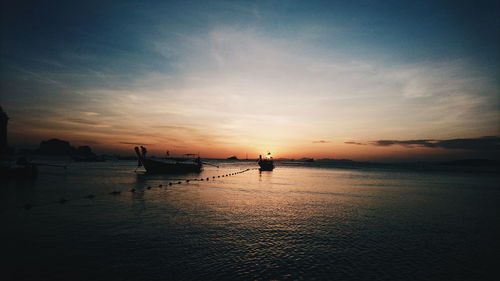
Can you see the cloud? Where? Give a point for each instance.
(134, 143)
(321, 141)
(353, 142)
(175, 127)
(86, 122)
(486, 143)
(408, 143)
(82, 121)
(91, 113)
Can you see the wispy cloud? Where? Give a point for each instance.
(353, 142)
(83, 121)
(408, 143)
(134, 143)
(487, 143)
(321, 141)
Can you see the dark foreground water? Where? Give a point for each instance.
(295, 223)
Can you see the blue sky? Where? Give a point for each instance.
(237, 76)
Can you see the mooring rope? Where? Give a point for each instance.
(63, 200)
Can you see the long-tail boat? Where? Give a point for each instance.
(188, 163)
(266, 164)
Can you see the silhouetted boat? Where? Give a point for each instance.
(266, 164)
(189, 163)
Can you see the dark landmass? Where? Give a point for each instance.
(233, 158)
(472, 162)
(55, 147)
(62, 148)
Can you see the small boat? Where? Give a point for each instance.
(266, 164)
(153, 165)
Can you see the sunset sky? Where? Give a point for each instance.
(364, 80)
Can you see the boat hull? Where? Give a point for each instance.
(266, 165)
(158, 167)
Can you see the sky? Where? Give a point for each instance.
(363, 80)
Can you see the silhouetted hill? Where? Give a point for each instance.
(56, 147)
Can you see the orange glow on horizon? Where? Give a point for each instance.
(105, 144)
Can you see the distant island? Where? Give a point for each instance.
(57, 147)
(306, 159)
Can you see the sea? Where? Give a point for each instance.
(111, 221)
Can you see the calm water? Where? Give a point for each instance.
(295, 223)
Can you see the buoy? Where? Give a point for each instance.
(213, 177)
(201, 179)
(161, 185)
(149, 187)
(179, 182)
(218, 176)
(187, 180)
(114, 192)
(207, 178)
(169, 183)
